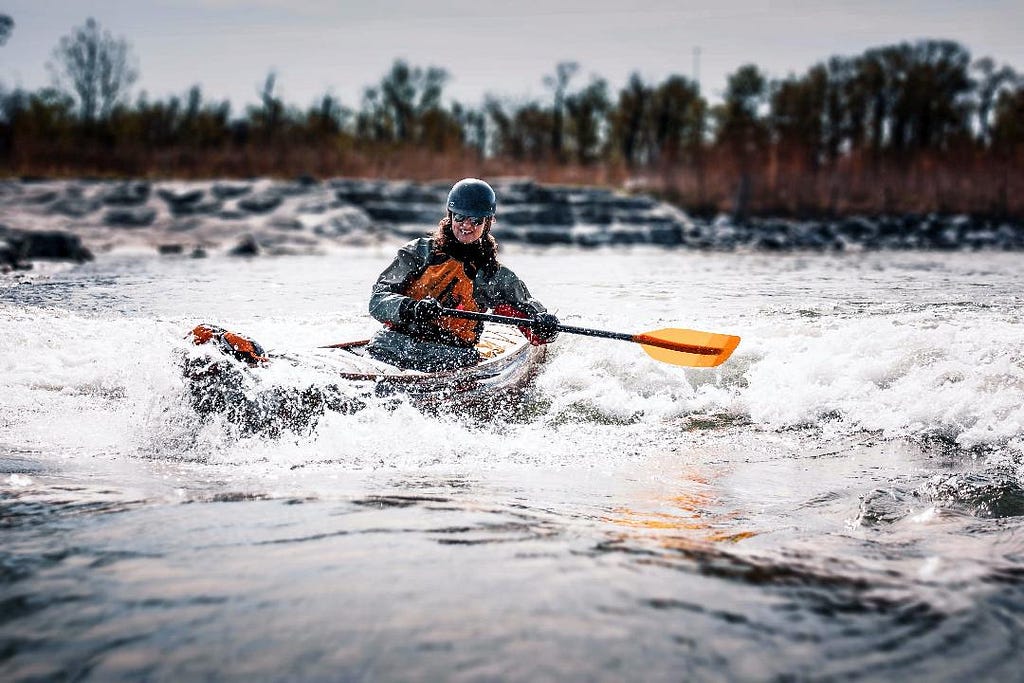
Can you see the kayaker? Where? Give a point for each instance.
(456, 267)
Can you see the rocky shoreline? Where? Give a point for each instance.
(68, 220)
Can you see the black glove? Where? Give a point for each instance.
(426, 309)
(546, 326)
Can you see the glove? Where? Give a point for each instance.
(426, 309)
(546, 326)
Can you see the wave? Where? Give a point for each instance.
(75, 384)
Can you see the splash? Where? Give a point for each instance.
(942, 380)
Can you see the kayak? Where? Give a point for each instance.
(508, 364)
(226, 375)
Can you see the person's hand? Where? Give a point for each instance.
(546, 326)
(426, 309)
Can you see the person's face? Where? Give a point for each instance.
(466, 230)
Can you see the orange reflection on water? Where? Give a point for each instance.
(694, 516)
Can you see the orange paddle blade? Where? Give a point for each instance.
(689, 348)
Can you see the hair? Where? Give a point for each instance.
(483, 253)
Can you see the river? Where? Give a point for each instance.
(841, 500)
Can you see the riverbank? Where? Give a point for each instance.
(308, 216)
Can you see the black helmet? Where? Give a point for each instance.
(472, 197)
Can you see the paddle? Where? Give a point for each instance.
(689, 348)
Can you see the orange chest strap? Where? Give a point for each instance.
(453, 288)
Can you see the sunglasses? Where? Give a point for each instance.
(461, 218)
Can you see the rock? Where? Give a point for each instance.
(304, 184)
(11, 258)
(343, 221)
(356, 192)
(57, 245)
(247, 246)
(532, 215)
(136, 217)
(263, 202)
(170, 249)
(1010, 237)
(633, 204)
(229, 190)
(198, 252)
(54, 245)
(181, 199)
(772, 242)
(314, 207)
(185, 224)
(981, 239)
(127, 194)
(188, 202)
(351, 210)
(433, 196)
(593, 214)
(548, 235)
(626, 237)
(284, 223)
(198, 208)
(41, 197)
(404, 212)
(858, 229)
(667, 234)
(74, 206)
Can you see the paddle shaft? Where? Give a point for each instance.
(585, 331)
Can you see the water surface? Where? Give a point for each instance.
(841, 500)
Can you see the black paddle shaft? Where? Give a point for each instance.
(530, 322)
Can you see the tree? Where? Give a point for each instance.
(876, 85)
(744, 94)
(406, 98)
(740, 127)
(990, 83)
(6, 26)
(473, 125)
(587, 110)
(676, 118)
(95, 68)
(1008, 124)
(326, 118)
(942, 93)
(628, 132)
(558, 83)
(797, 114)
(269, 118)
(523, 132)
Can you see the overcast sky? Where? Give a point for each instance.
(506, 48)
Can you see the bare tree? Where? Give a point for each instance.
(988, 86)
(94, 68)
(587, 111)
(558, 84)
(6, 26)
(408, 95)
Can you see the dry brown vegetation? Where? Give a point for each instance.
(903, 128)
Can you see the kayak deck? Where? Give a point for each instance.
(508, 364)
(230, 377)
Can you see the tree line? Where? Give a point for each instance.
(911, 126)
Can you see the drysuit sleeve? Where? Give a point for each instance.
(512, 298)
(511, 291)
(388, 303)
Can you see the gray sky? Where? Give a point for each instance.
(318, 46)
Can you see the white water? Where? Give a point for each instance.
(867, 387)
(907, 345)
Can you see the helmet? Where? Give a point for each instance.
(472, 197)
